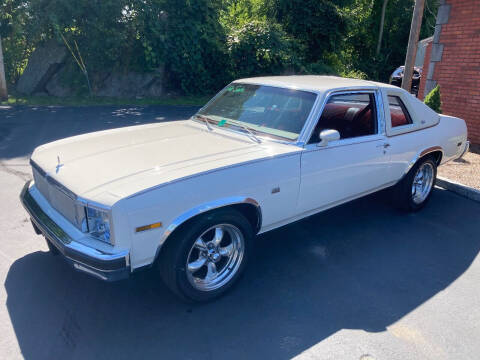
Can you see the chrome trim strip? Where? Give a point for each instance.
(197, 210)
(419, 155)
(345, 142)
(309, 128)
(465, 150)
(207, 172)
(63, 241)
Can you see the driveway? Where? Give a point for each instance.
(361, 281)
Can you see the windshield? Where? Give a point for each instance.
(265, 110)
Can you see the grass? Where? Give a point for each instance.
(14, 100)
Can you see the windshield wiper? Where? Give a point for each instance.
(247, 129)
(206, 120)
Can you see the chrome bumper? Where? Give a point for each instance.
(108, 267)
(467, 147)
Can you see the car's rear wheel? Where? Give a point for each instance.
(414, 190)
(205, 258)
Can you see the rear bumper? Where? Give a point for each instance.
(465, 150)
(108, 267)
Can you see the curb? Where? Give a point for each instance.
(460, 189)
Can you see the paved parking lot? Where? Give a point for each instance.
(361, 281)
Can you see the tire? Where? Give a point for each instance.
(204, 258)
(413, 198)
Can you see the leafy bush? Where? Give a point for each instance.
(433, 100)
(259, 48)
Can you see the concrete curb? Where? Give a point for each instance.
(460, 189)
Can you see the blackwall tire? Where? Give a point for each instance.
(207, 256)
(413, 192)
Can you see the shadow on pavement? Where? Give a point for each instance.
(361, 266)
(23, 128)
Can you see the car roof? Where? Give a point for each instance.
(319, 83)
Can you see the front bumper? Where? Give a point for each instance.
(108, 267)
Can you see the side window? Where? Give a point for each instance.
(398, 112)
(352, 115)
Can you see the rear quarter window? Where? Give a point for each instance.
(399, 115)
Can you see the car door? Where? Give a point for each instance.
(354, 165)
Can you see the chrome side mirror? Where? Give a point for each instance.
(328, 135)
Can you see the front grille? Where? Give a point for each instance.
(57, 197)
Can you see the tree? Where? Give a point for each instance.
(382, 23)
(3, 82)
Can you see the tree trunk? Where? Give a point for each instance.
(382, 22)
(3, 83)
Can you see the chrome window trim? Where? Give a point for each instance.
(381, 126)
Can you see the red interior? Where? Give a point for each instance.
(398, 117)
(336, 116)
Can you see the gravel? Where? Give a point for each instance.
(465, 170)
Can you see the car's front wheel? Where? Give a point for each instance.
(206, 257)
(414, 190)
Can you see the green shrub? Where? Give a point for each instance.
(260, 48)
(433, 100)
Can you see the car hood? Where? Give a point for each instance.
(109, 165)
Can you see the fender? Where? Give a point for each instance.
(197, 210)
(421, 154)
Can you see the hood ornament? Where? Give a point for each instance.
(59, 165)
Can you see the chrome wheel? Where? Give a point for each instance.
(422, 183)
(215, 257)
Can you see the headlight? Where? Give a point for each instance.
(98, 223)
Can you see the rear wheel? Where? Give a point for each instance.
(414, 190)
(205, 258)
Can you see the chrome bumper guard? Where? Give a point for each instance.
(108, 267)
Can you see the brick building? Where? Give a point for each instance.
(452, 60)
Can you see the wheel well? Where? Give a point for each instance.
(436, 155)
(250, 211)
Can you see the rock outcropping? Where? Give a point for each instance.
(44, 62)
(46, 73)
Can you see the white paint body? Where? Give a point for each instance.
(165, 172)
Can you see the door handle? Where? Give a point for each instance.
(384, 145)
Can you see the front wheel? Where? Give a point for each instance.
(414, 190)
(205, 258)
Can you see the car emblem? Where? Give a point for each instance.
(59, 165)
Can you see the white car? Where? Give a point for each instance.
(188, 197)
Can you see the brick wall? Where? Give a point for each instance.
(454, 62)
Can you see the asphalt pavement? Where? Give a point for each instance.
(361, 281)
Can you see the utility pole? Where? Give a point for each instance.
(412, 44)
(3, 83)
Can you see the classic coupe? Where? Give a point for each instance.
(188, 197)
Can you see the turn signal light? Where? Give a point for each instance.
(148, 227)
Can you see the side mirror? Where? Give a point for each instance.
(328, 135)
